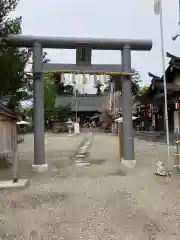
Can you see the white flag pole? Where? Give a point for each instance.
(179, 15)
(158, 11)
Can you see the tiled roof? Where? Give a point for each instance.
(170, 86)
(7, 112)
(85, 103)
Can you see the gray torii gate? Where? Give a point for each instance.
(38, 43)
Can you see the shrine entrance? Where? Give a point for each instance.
(84, 47)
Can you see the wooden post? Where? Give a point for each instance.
(15, 154)
(121, 143)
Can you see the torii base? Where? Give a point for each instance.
(21, 183)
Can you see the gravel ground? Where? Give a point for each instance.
(101, 201)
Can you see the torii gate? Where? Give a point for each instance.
(84, 65)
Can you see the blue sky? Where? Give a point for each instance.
(104, 18)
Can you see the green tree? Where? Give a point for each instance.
(63, 113)
(50, 92)
(28, 88)
(98, 87)
(142, 90)
(62, 88)
(135, 82)
(12, 60)
(107, 89)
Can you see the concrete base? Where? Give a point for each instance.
(82, 164)
(80, 156)
(40, 168)
(82, 150)
(128, 163)
(10, 184)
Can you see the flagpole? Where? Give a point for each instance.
(179, 15)
(164, 81)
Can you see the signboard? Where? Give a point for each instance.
(83, 54)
